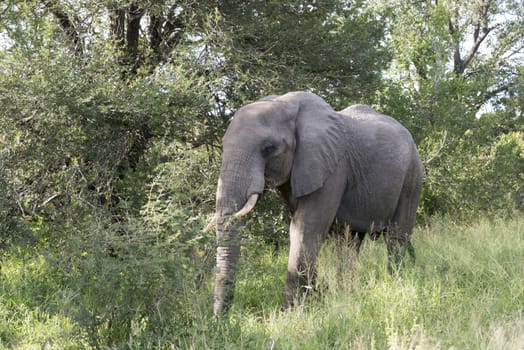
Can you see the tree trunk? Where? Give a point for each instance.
(134, 16)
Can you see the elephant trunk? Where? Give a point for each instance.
(240, 183)
(228, 253)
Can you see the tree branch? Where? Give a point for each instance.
(473, 50)
(66, 24)
(117, 18)
(480, 33)
(155, 35)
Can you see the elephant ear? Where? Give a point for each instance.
(321, 145)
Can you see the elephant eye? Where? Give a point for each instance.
(268, 150)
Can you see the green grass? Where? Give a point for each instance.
(29, 317)
(465, 291)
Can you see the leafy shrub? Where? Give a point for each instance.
(464, 175)
(133, 276)
(129, 278)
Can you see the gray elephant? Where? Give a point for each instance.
(355, 167)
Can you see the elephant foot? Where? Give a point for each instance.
(297, 290)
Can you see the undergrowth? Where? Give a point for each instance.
(464, 291)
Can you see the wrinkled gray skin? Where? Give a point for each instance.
(357, 166)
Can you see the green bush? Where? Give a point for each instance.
(465, 175)
(134, 276)
(122, 280)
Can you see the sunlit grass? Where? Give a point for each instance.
(29, 316)
(466, 290)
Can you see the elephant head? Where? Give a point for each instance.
(295, 139)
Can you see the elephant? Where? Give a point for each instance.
(356, 168)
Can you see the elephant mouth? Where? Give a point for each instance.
(269, 181)
(272, 180)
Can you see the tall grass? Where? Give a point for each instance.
(464, 291)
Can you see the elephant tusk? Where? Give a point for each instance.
(252, 200)
(212, 223)
(248, 206)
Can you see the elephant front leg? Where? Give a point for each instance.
(301, 271)
(310, 224)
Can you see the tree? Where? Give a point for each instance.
(454, 61)
(132, 73)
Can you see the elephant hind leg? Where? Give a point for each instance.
(396, 247)
(398, 242)
(341, 231)
(411, 249)
(398, 233)
(345, 252)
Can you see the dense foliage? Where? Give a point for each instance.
(112, 112)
